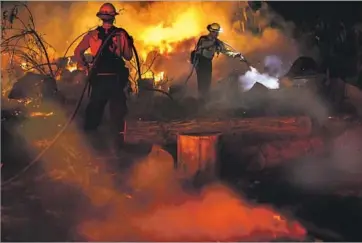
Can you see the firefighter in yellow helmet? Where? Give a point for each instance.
(110, 73)
(206, 48)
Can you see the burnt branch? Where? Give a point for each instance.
(149, 66)
(146, 67)
(23, 43)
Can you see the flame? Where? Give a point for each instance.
(71, 66)
(157, 78)
(169, 28)
(162, 37)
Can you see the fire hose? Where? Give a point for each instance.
(79, 102)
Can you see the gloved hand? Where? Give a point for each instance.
(239, 55)
(129, 89)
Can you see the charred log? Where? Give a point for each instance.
(33, 86)
(166, 132)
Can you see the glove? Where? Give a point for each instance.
(129, 90)
(238, 55)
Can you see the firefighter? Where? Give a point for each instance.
(110, 75)
(206, 48)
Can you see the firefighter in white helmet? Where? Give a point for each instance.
(110, 74)
(206, 48)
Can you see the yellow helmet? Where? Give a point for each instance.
(214, 27)
(107, 11)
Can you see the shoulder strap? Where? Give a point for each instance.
(198, 42)
(219, 42)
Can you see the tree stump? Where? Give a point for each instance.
(197, 155)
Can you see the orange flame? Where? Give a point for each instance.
(71, 66)
(157, 78)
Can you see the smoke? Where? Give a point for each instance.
(248, 80)
(146, 202)
(342, 168)
(160, 210)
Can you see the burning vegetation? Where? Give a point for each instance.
(164, 38)
(273, 111)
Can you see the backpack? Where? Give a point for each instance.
(108, 61)
(194, 56)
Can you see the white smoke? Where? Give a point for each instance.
(253, 76)
(273, 67)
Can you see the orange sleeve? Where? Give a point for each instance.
(126, 44)
(80, 50)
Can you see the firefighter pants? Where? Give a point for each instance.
(108, 88)
(204, 74)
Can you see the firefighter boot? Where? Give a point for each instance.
(119, 138)
(117, 144)
(97, 142)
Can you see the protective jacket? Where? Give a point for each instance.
(207, 48)
(119, 46)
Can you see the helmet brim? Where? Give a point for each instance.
(213, 30)
(106, 16)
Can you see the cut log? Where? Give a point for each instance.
(273, 154)
(166, 132)
(197, 154)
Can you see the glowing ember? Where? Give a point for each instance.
(24, 65)
(41, 143)
(25, 101)
(41, 114)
